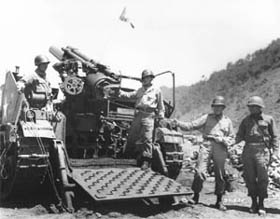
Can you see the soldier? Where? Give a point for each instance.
(38, 92)
(218, 135)
(149, 103)
(36, 88)
(259, 133)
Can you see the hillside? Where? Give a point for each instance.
(256, 74)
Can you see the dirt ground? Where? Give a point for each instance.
(237, 203)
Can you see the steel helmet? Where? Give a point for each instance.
(147, 73)
(218, 101)
(255, 101)
(39, 59)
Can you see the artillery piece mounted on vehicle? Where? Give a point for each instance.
(80, 146)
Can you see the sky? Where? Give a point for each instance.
(192, 38)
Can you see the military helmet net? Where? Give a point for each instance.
(255, 101)
(218, 101)
(39, 59)
(147, 73)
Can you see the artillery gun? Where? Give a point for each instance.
(80, 145)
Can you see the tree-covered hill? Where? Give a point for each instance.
(256, 74)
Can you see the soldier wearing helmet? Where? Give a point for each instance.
(149, 103)
(218, 135)
(255, 101)
(258, 130)
(35, 86)
(147, 73)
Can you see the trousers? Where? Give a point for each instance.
(211, 150)
(255, 161)
(140, 136)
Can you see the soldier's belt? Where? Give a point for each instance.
(148, 110)
(256, 144)
(208, 139)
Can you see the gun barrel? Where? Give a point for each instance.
(83, 56)
(58, 53)
(129, 77)
(70, 52)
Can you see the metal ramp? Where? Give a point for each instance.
(126, 183)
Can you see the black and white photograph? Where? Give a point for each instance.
(133, 109)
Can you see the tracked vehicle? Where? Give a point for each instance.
(79, 146)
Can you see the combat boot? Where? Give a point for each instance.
(220, 204)
(261, 210)
(254, 207)
(194, 199)
(146, 165)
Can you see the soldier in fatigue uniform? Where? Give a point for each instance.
(38, 92)
(149, 103)
(259, 132)
(36, 87)
(218, 135)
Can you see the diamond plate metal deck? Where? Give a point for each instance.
(128, 183)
